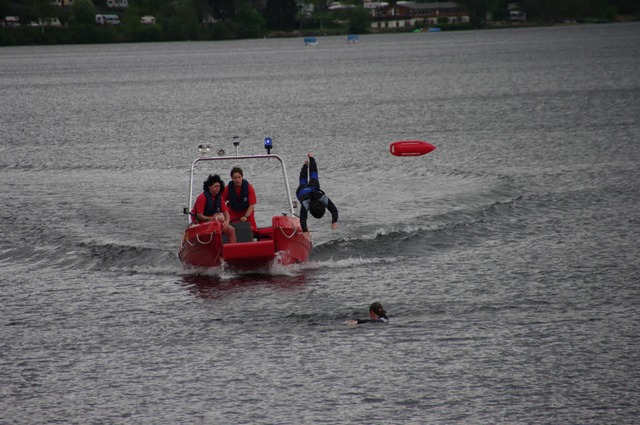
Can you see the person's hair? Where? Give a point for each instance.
(378, 310)
(211, 180)
(236, 170)
(317, 208)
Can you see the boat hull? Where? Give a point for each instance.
(282, 243)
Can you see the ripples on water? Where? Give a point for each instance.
(507, 258)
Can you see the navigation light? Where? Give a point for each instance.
(268, 144)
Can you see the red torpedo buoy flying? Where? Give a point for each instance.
(410, 148)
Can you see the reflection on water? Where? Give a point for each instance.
(217, 286)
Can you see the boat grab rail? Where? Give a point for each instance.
(295, 231)
(202, 243)
(199, 241)
(233, 158)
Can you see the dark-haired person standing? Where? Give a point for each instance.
(312, 198)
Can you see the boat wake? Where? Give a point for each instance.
(439, 223)
(422, 233)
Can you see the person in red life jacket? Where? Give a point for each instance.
(377, 314)
(240, 198)
(209, 206)
(312, 198)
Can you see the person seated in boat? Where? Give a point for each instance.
(240, 198)
(209, 206)
(377, 314)
(312, 199)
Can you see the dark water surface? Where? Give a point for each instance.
(507, 259)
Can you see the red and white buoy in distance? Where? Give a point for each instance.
(410, 148)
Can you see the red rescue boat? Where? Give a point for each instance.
(283, 242)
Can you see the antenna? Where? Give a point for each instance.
(236, 143)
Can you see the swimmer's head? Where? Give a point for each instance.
(377, 309)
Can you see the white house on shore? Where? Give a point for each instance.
(408, 14)
(148, 20)
(118, 4)
(10, 22)
(107, 19)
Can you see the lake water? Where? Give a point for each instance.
(507, 259)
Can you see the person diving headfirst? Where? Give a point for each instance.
(312, 199)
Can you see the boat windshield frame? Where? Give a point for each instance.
(233, 158)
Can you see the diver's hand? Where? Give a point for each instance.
(334, 226)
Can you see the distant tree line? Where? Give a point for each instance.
(550, 11)
(230, 19)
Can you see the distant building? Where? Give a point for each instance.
(49, 22)
(517, 16)
(373, 5)
(148, 20)
(11, 22)
(336, 5)
(118, 4)
(107, 19)
(514, 14)
(408, 14)
(306, 9)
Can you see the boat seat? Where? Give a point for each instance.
(264, 233)
(244, 233)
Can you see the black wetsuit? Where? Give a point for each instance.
(309, 190)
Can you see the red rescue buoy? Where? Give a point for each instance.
(410, 148)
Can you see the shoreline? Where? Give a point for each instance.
(41, 36)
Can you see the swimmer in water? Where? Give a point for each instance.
(376, 315)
